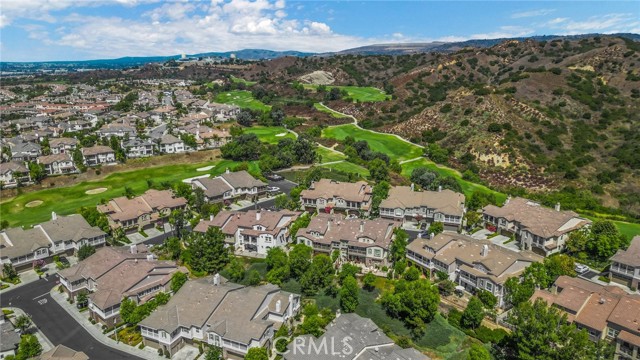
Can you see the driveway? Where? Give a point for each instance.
(55, 323)
(285, 188)
(481, 234)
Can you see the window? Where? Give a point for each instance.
(612, 333)
(377, 253)
(489, 286)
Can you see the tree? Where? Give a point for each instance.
(173, 247)
(380, 192)
(473, 314)
(478, 352)
(37, 172)
(177, 280)
(95, 218)
(436, 228)
(413, 302)
(399, 245)
(318, 276)
(235, 270)
(253, 278)
(369, 281)
(348, 270)
(349, 294)
(207, 252)
(257, 353)
(127, 308)
(281, 334)
(278, 266)
(540, 332)
(412, 274)
(600, 241)
(559, 264)
(489, 301)
(245, 147)
(29, 347)
(85, 251)
(299, 258)
(23, 322)
(446, 287)
(378, 169)
(213, 353)
(178, 222)
(9, 272)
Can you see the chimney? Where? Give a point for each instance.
(439, 188)
(54, 216)
(133, 249)
(227, 171)
(507, 201)
(150, 257)
(361, 225)
(290, 309)
(278, 306)
(432, 235)
(485, 250)
(329, 223)
(211, 217)
(258, 214)
(413, 186)
(216, 279)
(557, 206)
(389, 230)
(602, 300)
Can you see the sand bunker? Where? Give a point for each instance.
(281, 134)
(33, 203)
(95, 191)
(206, 168)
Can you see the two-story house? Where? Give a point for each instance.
(60, 235)
(98, 155)
(231, 186)
(220, 313)
(473, 264)
(63, 145)
(142, 211)
(535, 227)
(407, 205)
(57, 164)
(13, 173)
(114, 273)
(253, 232)
(625, 265)
(24, 151)
(361, 241)
(170, 144)
(606, 312)
(328, 196)
(137, 148)
(119, 129)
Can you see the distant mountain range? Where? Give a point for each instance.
(261, 54)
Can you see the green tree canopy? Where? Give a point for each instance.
(349, 293)
(473, 314)
(278, 265)
(257, 353)
(85, 251)
(299, 259)
(319, 275)
(177, 280)
(207, 252)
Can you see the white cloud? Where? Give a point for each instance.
(607, 23)
(505, 32)
(532, 13)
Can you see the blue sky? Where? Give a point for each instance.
(40, 30)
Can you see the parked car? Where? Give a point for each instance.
(273, 189)
(581, 268)
(273, 177)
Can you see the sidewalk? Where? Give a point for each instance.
(46, 344)
(95, 330)
(28, 277)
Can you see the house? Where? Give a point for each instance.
(329, 195)
(230, 186)
(63, 145)
(358, 240)
(61, 352)
(13, 174)
(407, 205)
(98, 155)
(535, 227)
(142, 211)
(114, 273)
(170, 144)
(57, 164)
(120, 129)
(137, 148)
(216, 312)
(60, 235)
(9, 338)
(625, 265)
(605, 312)
(349, 337)
(24, 151)
(253, 232)
(473, 264)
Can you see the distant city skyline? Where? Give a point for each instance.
(47, 30)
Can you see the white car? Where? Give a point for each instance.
(273, 189)
(580, 268)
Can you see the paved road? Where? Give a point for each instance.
(285, 187)
(56, 324)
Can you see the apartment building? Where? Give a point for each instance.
(142, 211)
(360, 241)
(231, 186)
(535, 227)
(625, 265)
(405, 204)
(253, 232)
(331, 196)
(115, 273)
(473, 264)
(220, 313)
(605, 312)
(60, 235)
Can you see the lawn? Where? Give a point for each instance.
(329, 155)
(385, 143)
(67, 200)
(358, 93)
(243, 81)
(243, 99)
(323, 108)
(347, 167)
(269, 134)
(467, 187)
(628, 229)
